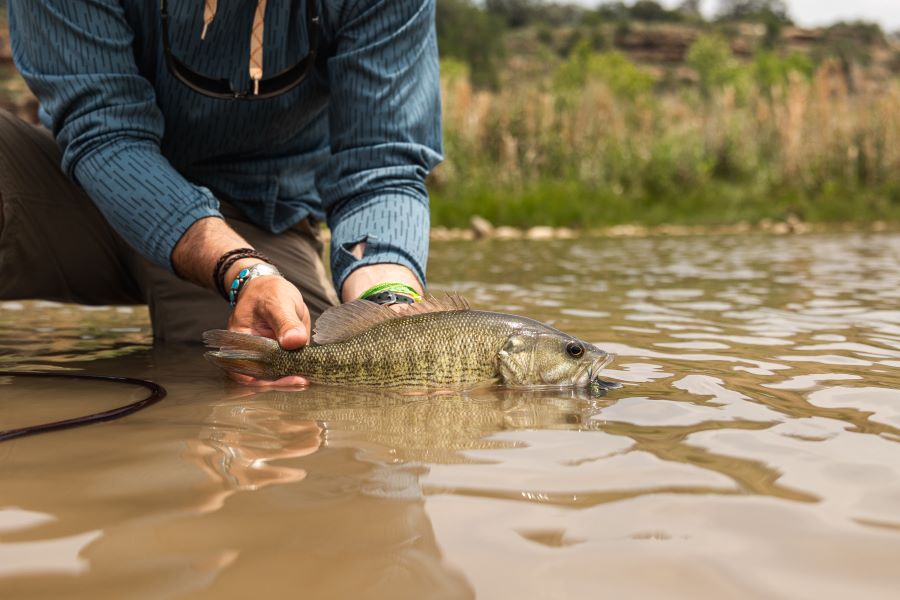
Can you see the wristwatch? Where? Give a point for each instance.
(387, 297)
(391, 292)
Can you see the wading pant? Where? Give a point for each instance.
(55, 245)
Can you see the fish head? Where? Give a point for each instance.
(549, 359)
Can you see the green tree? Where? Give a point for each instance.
(690, 9)
(612, 11)
(710, 56)
(469, 34)
(771, 13)
(516, 13)
(754, 10)
(851, 44)
(650, 10)
(771, 70)
(624, 78)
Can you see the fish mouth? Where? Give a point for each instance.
(593, 369)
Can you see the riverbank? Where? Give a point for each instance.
(482, 229)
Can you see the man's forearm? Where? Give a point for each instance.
(205, 241)
(196, 253)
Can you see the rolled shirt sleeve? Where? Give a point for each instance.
(78, 59)
(385, 135)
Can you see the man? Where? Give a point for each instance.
(199, 142)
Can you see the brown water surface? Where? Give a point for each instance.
(754, 450)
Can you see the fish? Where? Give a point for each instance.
(436, 344)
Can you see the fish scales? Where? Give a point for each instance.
(445, 348)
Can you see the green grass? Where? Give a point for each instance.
(569, 203)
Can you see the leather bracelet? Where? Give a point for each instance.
(230, 260)
(216, 277)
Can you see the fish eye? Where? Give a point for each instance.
(574, 349)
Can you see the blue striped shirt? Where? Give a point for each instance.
(352, 144)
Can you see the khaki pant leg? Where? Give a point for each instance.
(54, 243)
(181, 311)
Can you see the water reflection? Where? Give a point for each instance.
(433, 429)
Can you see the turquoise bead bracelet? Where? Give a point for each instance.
(245, 275)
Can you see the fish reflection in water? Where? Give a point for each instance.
(346, 465)
(429, 428)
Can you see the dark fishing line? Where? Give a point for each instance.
(157, 393)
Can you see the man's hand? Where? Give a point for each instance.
(272, 307)
(269, 306)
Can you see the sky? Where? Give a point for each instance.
(809, 13)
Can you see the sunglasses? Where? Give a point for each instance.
(268, 87)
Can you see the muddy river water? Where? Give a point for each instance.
(753, 450)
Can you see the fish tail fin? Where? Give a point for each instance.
(242, 353)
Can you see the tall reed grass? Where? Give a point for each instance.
(594, 155)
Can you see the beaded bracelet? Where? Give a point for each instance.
(245, 275)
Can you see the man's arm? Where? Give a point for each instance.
(385, 124)
(78, 59)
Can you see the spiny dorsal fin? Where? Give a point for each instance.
(342, 322)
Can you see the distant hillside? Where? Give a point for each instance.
(525, 38)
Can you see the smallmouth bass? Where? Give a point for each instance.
(436, 344)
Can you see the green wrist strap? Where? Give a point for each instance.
(392, 286)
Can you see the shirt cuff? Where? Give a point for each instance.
(143, 198)
(395, 228)
(178, 225)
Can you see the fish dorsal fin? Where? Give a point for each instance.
(343, 322)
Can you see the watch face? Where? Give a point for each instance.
(388, 297)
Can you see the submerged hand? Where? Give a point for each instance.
(272, 307)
